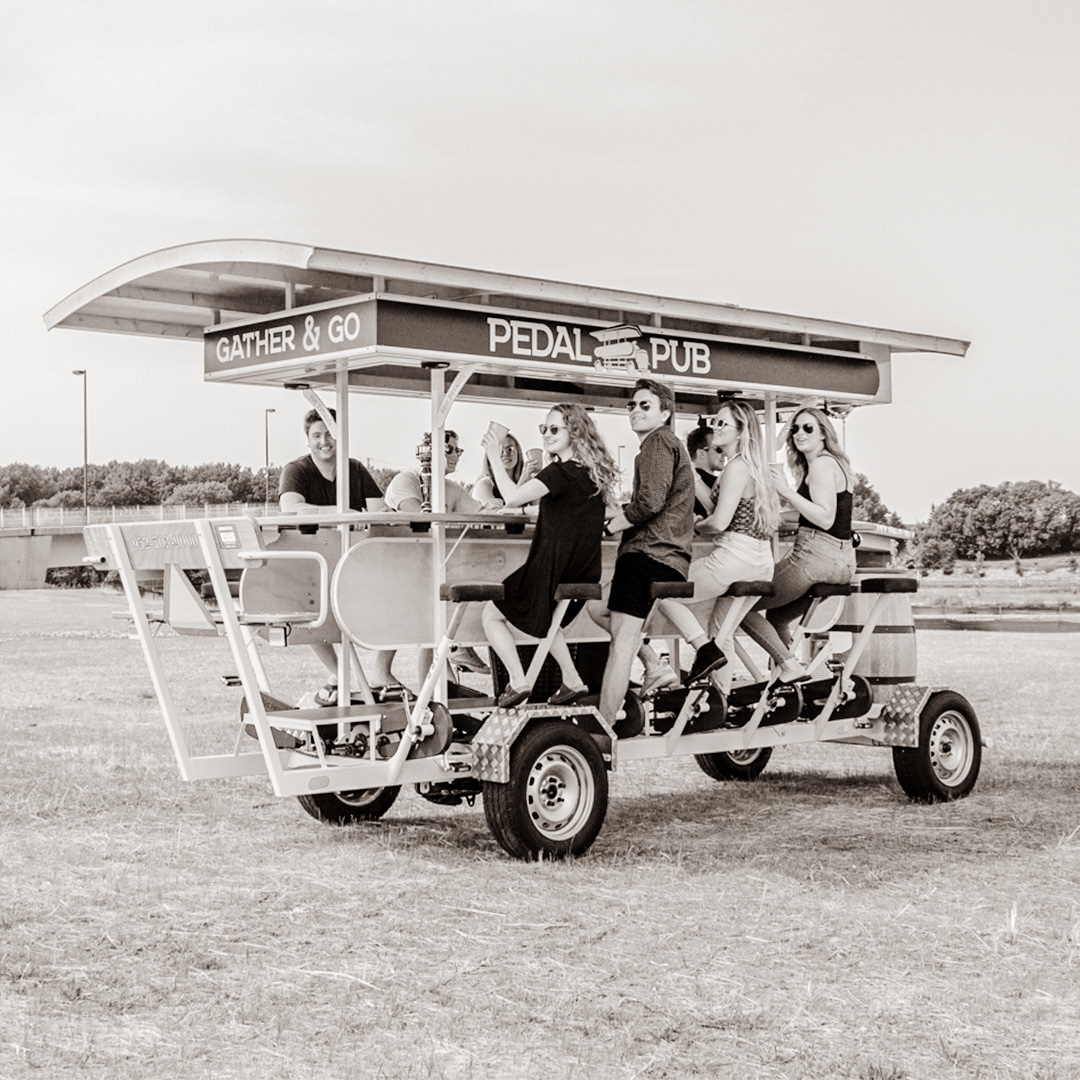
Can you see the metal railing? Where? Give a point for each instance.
(44, 516)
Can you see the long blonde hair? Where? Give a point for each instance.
(750, 446)
(589, 449)
(797, 462)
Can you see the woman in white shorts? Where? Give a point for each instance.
(745, 515)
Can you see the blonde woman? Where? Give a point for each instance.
(518, 467)
(823, 550)
(573, 492)
(745, 516)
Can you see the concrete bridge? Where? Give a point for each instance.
(26, 553)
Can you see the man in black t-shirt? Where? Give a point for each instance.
(309, 486)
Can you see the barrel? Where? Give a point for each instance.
(889, 656)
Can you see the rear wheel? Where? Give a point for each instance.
(344, 807)
(735, 764)
(556, 800)
(945, 764)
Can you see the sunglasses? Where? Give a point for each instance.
(644, 406)
(454, 449)
(806, 429)
(551, 429)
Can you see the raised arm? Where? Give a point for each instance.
(514, 495)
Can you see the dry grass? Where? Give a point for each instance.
(814, 924)
(1047, 584)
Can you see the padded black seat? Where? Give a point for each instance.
(471, 590)
(827, 588)
(580, 590)
(891, 584)
(751, 588)
(671, 590)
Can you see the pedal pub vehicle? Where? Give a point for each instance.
(311, 319)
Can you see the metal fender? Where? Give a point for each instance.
(900, 716)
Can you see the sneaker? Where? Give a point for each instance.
(660, 678)
(708, 659)
(463, 657)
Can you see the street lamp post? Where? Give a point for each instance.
(266, 428)
(85, 469)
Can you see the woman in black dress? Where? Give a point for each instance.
(572, 492)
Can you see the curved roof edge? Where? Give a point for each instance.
(271, 259)
(273, 252)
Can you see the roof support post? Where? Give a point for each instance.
(438, 528)
(344, 495)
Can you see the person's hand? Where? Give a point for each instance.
(529, 470)
(492, 444)
(782, 487)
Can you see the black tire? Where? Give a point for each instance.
(556, 800)
(945, 764)
(735, 764)
(345, 807)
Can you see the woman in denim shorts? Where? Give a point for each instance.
(823, 550)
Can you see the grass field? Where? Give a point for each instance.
(1050, 583)
(813, 924)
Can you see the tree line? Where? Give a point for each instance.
(140, 483)
(1013, 520)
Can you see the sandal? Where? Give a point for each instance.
(327, 696)
(391, 691)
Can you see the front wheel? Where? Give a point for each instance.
(345, 807)
(945, 764)
(556, 799)
(735, 764)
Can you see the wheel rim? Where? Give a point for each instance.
(952, 748)
(744, 757)
(359, 798)
(560, 792)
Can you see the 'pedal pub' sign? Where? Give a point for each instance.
(373, 324)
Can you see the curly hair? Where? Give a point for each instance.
(588, 448)
(797, 459)
(750, 446)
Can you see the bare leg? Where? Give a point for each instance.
(625, 638)
(327, 656)
(560, 652)
(382, 675)
(502, 640)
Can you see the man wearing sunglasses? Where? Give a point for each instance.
(406, 492)
(657, 532)
(706, 458)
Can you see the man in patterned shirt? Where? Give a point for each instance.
(657, 527)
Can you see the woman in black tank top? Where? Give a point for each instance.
(823, 551)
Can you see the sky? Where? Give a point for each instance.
(914, 166)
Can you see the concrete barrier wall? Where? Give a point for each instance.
(24, 560)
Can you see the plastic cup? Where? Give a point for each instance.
(498, 430)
